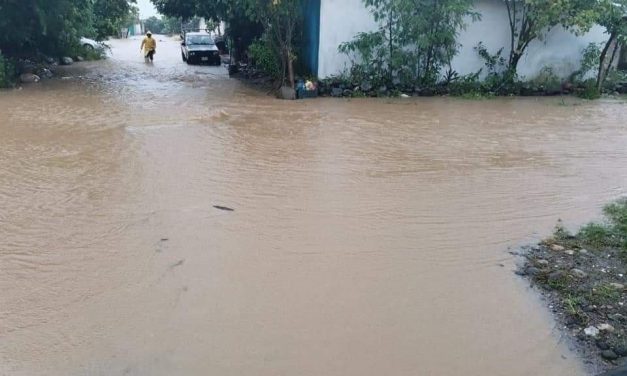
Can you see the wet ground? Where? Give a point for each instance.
(368, 237)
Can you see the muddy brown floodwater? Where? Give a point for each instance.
(368, 237)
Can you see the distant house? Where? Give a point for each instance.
(328, 23)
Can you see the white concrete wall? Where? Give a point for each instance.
(341, 20)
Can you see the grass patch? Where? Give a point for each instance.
(8, 72)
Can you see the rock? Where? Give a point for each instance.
(347, 93)
(29, 78)
(569, 252)
(80, 58)
(591, 331)
(27, 66)
(602, 345)
(287, 93)
(557, 248)
(609, 355)
(542, 262)
(621, 371)
(383, 89)
(620, 350)
(67, 61)
(578, 273)
(366, 86)
(556, 276)
(616, 317)
(532, 271)
(49, 60)
(606, 328)
(583, 251)
(45, 73)
(617, 286)
(336, 92)
(589, 308)
(404, 95)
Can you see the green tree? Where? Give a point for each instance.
(533, 19)
(48, 26)
(154, 24)
(415, 40)
(110, 16)
(280, 19)
(612, 15)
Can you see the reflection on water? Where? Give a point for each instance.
(369, 237)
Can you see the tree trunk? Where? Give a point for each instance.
(602, 61)
(290, 68)
(513, 63)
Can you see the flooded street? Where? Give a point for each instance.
(368, 237)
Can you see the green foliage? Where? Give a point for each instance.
(48, 26)
(590, 59)
(616, 213)
(110, 16)
(8, 72)
(156, 25)
(596, 236)
(610, 234)
(265, 57)
(415, 41)
(590, 90)
(547, 81)
(533, 19)
(53, 27)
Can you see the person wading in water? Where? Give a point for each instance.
(149, 46)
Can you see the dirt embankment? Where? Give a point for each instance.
(583, 279)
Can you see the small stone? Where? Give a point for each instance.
(606, 328)
(556, 248)
(583, 251)
(45, 73)
(569, 252)
(556, 276)
(67, 60)
(616, 317)
(602, 345)
(591, 331)
(533, 271)
(617, 286)
(336, 92)
(578, 273)
(404, 95)
(29, 78)
(80, 58)
(620, 350)
(609, 355)
(542, 262)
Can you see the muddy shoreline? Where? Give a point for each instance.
(585, 291)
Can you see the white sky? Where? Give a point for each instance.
(146, 9)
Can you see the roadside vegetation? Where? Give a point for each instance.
(411, 51)
(43, 32)
(583, 276)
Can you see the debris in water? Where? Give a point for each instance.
(179, 263)
(223, 208)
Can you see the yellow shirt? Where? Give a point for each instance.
(149, 44)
